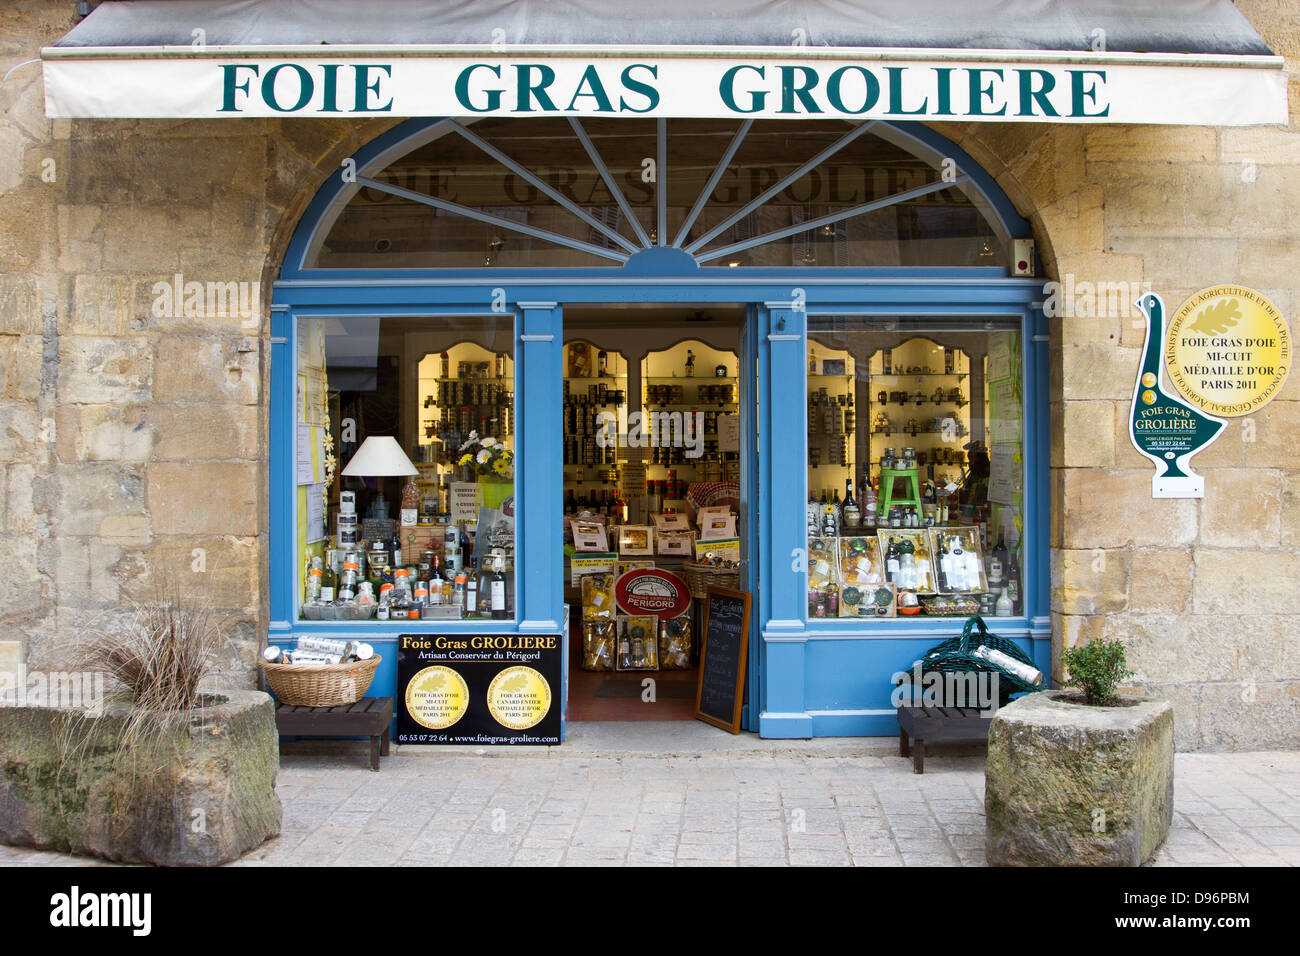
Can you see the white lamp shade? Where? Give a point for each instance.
(380, 455)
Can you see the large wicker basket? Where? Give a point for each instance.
(320, 685)
(700, 577)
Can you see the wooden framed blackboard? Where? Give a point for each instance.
(722, 658)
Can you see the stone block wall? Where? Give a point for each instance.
(132, 445)
(1200, 590)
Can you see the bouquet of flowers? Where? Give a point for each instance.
(489, 458)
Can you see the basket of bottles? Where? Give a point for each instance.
(320, 674)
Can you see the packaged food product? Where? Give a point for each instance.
(637, 648)
(598, 597)
(598, 645)
(675, 643)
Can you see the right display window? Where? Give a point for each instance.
(915, 468)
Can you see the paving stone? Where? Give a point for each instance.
(730, 807)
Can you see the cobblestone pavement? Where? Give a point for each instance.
(615, 796)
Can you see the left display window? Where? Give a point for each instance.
(405, 468)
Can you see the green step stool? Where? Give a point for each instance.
(887, 500)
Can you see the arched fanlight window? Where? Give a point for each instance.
(545, 192)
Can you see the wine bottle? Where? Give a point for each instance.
(891, 561)
(850, 515)
(497, 589)
(329, 581)
(944, 561)
(1013, 582)
(471, 590)
(998, 564)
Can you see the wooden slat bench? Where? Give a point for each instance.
(368, 717)
(937, 725)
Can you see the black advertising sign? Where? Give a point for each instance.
(722, 658)
(479, 689)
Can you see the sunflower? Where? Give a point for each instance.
(501, 466)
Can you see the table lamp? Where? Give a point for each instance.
(380, 456)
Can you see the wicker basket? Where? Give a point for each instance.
(700, 577)
(321, 685)
(958, 605)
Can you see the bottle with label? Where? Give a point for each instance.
(1013, 582)
(329, 581)
(395, 549)
(943, 558)
(471, 591)
(907, 570)
(812, 361)
(850, 515)
(869, 503)
(892, 561)
(998, 564)
(624, 650)
(497, 588)
(957, 566)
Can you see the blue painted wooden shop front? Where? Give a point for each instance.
(807, 678)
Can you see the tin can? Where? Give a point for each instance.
(347, 529)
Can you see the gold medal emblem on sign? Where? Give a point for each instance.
(1228, 350)
(437, 697)
(519, 697)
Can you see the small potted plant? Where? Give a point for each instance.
(1080, 777)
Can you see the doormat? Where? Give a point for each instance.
(664, 689)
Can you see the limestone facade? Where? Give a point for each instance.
(131, 443)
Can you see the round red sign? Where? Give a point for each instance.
(651, 591)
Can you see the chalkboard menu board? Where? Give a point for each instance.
(722, 658)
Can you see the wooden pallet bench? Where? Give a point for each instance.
(937, 725)
(368, 717)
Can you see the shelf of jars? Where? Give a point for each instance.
(832, 423)
(479, 398)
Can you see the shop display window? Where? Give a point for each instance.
(915, 468)
(405, 469)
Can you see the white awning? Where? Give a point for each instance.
(1184, 62)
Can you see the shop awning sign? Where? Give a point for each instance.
(936, 85)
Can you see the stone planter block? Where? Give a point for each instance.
(209, 803)
(1070, 785)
